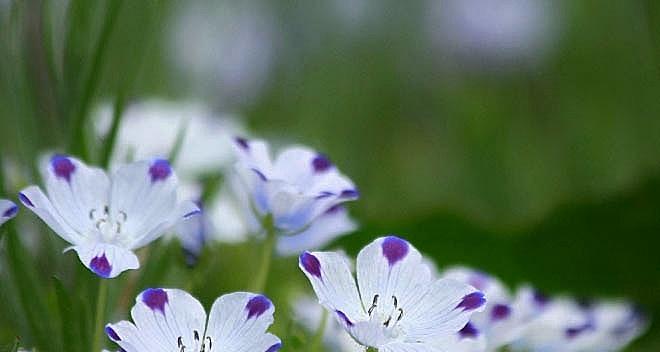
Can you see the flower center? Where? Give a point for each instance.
(387, 313)
(183, 348)
(108, 225)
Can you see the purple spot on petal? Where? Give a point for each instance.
(274, 348)
(112, 334)
(344, 318)
(260, 174)
(468, 331)
(25, 200)
(350, 193)
(155, 298)
(500, 312)
(334, 209)
(324, 194)
(101, 266)
(160, 170)
(257, 305)
(472, 301)
(575, 331)
(242, 142)
(321, 163)
(10, 212)
(540, 298)
(194, 212)
(63, 167)
(394, 249)
(311, 264)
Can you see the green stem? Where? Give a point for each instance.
(317, 340)
(261, 278)
(101, 302)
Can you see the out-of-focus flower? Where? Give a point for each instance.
(399, 307)
(569, 326)
(8, 210)
(309, 313)
(150, 129)
(298, 189)
(494, 33)
(328, 226)
(227, 48)
(106, 218)
(173, 320)
(505, 317)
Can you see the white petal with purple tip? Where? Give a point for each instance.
(8, 210)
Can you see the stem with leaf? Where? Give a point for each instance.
(101, 303)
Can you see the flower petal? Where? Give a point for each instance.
(324, 229)
(163, 318)
(238, 322)
(145, 194)
(34, 199)
(106, 260)
(331, 278)
(443, 311)
(390, 267)
(75, 190)
(8, 210)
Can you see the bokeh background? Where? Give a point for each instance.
(518, 136)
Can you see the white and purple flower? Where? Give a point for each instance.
(570, 326)
(173, 320)
(106, 218)
(296, 189)
(8, 210)
(396, 305)
(504, 318)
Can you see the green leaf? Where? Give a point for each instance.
(109, 145)
(68, 317)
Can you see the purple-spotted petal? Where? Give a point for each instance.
(469, 331)
(7, 210)
(232, 310)
(155, 299)
(500, 312)
(160, 170)
(62, 166)
(472, 301)
(321, 163)
(100, 266)
(105, 260)
(310, 264)
(395, 249)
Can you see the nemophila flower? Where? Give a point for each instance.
(293, 190)
(396, 306)
(570, 326)
(173, 320)
(106, 217)
(7, 210)
(504, 318)
(150, 128)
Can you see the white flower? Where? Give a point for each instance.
(106, 218)
(7, 210)
(494, 33)
(173, 320)
(504, 318)
(569, 326)
(297, 189)
(396, 306)
(150, 129)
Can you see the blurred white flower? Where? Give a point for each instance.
(150, 129)
(494, 33)
(105, 217)
(227, 47)
(8, 210)
(505, 317)
(300, 189)
(569, 326)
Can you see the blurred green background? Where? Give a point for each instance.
(533, 156)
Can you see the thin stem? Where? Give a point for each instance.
(101, 302)
(371, 349)
(266, 255)
(317, 340)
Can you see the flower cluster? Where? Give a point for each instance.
(392, 299)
